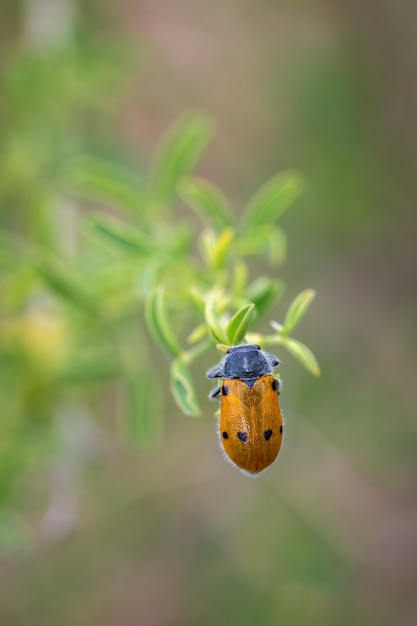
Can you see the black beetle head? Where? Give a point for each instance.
(247, 362)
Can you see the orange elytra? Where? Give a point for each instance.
(250, 416)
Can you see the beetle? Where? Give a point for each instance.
(250, 416)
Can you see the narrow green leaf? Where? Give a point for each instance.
(213, 321)
(63, 282)
(302, 354)
(273, 199)
(277, 246)
(119, 234)
(89, 369)
(239, 323)
(266, 239)
(239, 279)
(198, 298)
(215, 248)
(142, 424)
(207, 200)
(178, 153)
(182, 388)
(221, 249)
(157, 321)
(199, 333)
(264, 292)
(207, 241)
(98, 180)
(297, 309)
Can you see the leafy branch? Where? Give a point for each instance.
(188, 278)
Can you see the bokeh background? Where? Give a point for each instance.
(93, 531)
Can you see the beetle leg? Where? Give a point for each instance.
(215, 392)
(279, 385)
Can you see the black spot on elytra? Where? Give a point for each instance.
(225, 390)
(225, 435)
(280, 429)
(242, 436)
(267, 434)
(274, 384)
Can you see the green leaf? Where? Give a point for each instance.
(239, 323)
(239, 279)
(197, 298)
(302, 354)
(207, 200)
(297, 309)
(182, 388)
(157, 321)
(142, 424)
(277, 246)
(63, 282)
(213, 322)
(89, 369)
(266, 240)
(215, 248)
(264, 292)
(119, 234)
(199, 333)
(178, 153)
(207, 242)
(273, 199)
(222, 248)
(101, 181)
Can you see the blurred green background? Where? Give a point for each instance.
(94, 530)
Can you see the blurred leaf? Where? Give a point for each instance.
(221, 248)
(98, 180)
(178, 153)
(18, 285)
(198, 333)
(213, 321)
(90, 369)
(273, 198)
(119, 234)
(277, 246)
(240, 278)
(302, 354)
(182, 388)
(143, 421)
(158, 324)
(207, 200)
(181, 239)
(215, 248)
(65, 283)
(198, 298)
(264, 292)
(207, 243)
(239, 323)
(266, 239)
(297, 309)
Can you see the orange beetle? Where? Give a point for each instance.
(250, 417)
